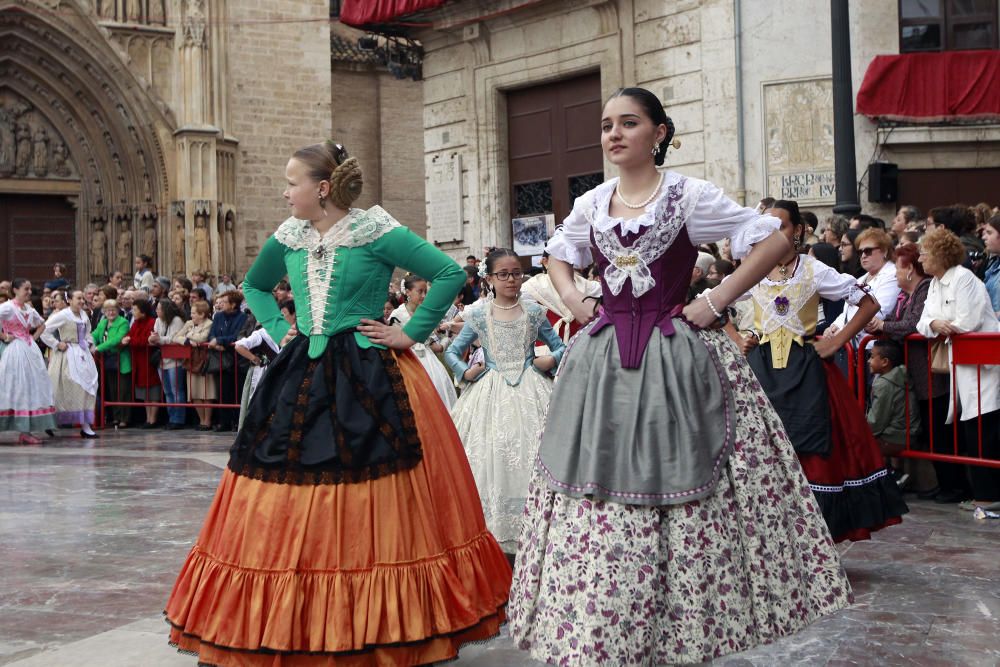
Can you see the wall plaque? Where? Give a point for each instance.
(444, 196)
(798, 135)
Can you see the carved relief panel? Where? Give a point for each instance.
(798, 132)
(30, 147)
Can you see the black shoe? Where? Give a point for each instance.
(202, 427)
(147, 426)
(948, 497)
(49, 432)
(87, 436)
(219, 428)
(929, 494)
(174, 427)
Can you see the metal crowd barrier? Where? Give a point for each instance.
(175, 352)
(969, 349)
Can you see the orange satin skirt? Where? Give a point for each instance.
(399, 570)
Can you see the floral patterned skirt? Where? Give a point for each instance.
(603, 583)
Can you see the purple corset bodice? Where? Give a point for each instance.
(634, 318)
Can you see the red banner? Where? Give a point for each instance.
(932, 87)
(360, 13)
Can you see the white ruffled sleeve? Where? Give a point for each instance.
(715, 216)
(571, 242)
(836, 286)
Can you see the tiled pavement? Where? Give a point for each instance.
(92, 534)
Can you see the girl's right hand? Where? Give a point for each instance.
(473, 371)
(583, 311)
(749, 342)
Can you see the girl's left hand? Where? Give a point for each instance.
(384, 334)
(700, 314)
(545, 363)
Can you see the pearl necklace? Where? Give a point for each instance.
(510, 307)
(648, 199)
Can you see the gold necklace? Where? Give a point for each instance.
(783, 268)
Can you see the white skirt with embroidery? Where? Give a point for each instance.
(499, 426)
(439, 375)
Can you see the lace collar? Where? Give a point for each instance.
(604, 221)
(357, 228)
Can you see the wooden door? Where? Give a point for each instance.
(929, 188)
(554, 145)
(36, 232)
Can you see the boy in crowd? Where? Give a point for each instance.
(888, 412)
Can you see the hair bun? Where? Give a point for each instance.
(345, 183)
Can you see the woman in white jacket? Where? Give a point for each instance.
(957, 303)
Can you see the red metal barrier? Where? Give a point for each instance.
(174, 352)
(970, 349)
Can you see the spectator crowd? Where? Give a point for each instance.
(180, 352)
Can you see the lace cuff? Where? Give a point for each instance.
(747, 235)
(560, 248)
(858, 292)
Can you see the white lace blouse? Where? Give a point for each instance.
(707, 214)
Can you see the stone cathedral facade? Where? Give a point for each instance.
(156, 127)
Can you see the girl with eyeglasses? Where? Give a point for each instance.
(828, 430)
(504, 397)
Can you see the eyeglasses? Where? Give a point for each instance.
(507, 275)
(846, 244)
(866, 252)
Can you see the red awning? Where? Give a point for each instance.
(359, 13)
(932, 87)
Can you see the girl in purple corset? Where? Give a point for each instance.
(668, 519)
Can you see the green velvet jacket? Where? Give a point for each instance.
(343, 276)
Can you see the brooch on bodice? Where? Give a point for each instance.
(626, 261)
(318, 252)
(781, 305)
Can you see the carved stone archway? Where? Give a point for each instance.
(96, 131)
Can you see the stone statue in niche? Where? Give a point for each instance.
(134, 10)
(123, 248)
(178, 245)
(229, 244)
(23, 160)
(149, 237)
(106, 9)
(202, 254)
(40, 161)
(99, 251)
(59, 159)
(147, 191)
(8, 143)
(157, 15)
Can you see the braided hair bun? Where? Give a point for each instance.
(330, 161)
(346, 183)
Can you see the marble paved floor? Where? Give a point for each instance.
(92, 534)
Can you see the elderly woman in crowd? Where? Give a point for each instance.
(957, 303)
(874, 248)
(116, 360)
(898, 324)
(168, 324)
(201, 387)
(145, 380)
(72, 370)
